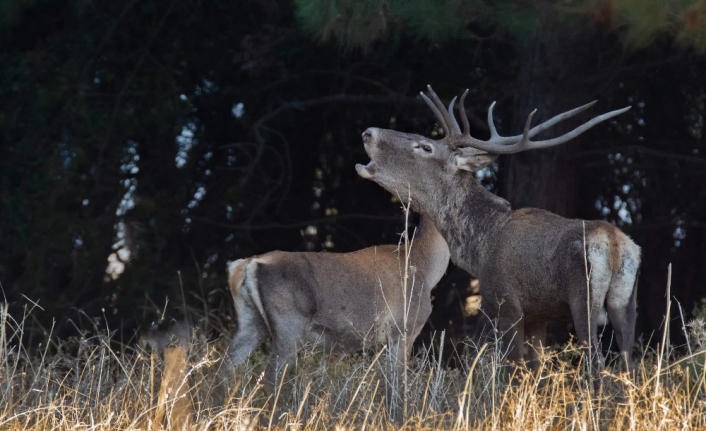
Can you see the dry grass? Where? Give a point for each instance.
(86, 384)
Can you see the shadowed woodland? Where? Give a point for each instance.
(143, 144)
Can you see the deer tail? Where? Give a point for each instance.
(242, 280)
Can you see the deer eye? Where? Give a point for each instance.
(427, 148)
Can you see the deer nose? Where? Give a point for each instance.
(367, 135)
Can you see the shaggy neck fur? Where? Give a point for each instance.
(468, 217)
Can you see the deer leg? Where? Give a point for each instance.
(511, 326)
(586, 332)
(512, 332)
(624, 333)
(394, 375)
(282, 357)
(536, 333)
(623, 317)
(250, 334)
(288, 332)
(246, 340)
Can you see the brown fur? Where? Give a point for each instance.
(346, 301)
(236, 278)
(615, 238)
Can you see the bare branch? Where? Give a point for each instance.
(128, 82)
(642, 150)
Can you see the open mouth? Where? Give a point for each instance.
(366, 171)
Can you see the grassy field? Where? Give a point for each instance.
(83, 383)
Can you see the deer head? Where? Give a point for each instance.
(403, 160)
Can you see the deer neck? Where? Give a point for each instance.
(468, 217)
(429, 254)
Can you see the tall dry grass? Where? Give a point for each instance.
(183, 382)
(84, 383)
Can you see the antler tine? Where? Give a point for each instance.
(509, 140)
(579, 130)
(491, 123)
(436, 112)
(496, 146)
(442, 109)
(453, 123)
(525, 133)
(462, 114)
(445, 116)
(558, 118)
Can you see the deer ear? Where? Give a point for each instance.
(474, 162)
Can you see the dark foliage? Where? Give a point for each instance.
(177, 135)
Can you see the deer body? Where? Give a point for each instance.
(533, 266)
(346, 301)
(533, 269)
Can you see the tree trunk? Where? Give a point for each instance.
(546, 179)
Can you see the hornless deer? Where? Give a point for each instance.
(347, 301)
(533, 266)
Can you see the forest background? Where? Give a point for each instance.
(143, 144)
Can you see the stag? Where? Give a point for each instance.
(346, 301)
(534, 266)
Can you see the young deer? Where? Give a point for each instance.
(347, 301)
(534, 266)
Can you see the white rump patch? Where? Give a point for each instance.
(601, 275)
(611, 287)
(231, 266)
(248, 293)
(623, 283)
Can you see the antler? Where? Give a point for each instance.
(506, 144)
